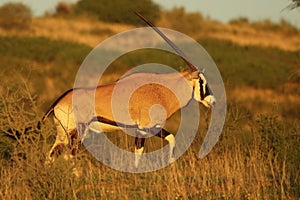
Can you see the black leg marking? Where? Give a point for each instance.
(58, 150)
(75, 142)
(139, 141)
(171, 139)
(139, 147)
(162, 133)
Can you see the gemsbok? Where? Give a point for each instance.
(189, 85)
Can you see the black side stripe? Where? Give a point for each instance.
(111, 122)
(152, 130)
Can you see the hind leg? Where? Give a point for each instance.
(139, 147)
(61, 141)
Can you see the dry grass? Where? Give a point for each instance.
(262, 101)
(230, 174)
(81, 30)
(246, 35)
(92, 32)
(257, 157)
(243, 165)
(231, 171)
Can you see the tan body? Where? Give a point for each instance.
(141, 100)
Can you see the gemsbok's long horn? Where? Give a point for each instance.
(178, 51)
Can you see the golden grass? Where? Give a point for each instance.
(262, 101)
(92, 32)
(243, 164)
(231, 171)
(247, 35)
(81, 30)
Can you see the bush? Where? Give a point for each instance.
(288, 28)
(267, 25)
(119, 11)
(294, 4)
(239, 21)
(15, 16)
(179, 19)
(63, 8)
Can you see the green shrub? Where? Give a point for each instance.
(119, 11)
(43, 50)
(63, 9)
(239, 21)
(15, 16)
(180, 20)
(40, 59)
(251, 65)
(288, 28)
(294, 4)
(266, 25)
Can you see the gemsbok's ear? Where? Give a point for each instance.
(195, 74)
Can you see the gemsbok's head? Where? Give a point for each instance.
(202, 91)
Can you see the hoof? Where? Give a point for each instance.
(172, 159)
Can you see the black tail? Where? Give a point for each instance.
(51, 109)
(38, 126)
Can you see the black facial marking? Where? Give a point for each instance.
(202, 95)
(152, 130)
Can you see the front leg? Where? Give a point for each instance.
(171, 140)
(162, 133)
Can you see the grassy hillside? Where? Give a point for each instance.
(257, 156)
(239, 31)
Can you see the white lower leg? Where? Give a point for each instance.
(60, 141)
(171, 139)
(86, 134)
(52, 153)
(138, 154)
(49, 159)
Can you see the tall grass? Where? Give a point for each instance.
(254, 159)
